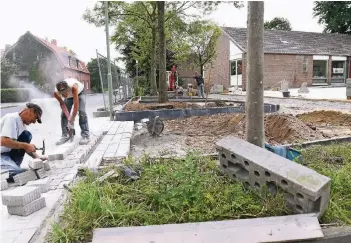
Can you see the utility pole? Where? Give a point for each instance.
(109, 76)
(254, 74)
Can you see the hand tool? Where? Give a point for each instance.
(42, 148)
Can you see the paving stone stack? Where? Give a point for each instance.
(305, 190)
(23, 200)
(38, 170)
(4, 175)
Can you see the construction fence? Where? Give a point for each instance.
(121, 83)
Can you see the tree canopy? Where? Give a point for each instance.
(278, 23)
(335, 16)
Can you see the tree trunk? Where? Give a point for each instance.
(202, 70)
(162, 98)
(254, 74)
(153, 62)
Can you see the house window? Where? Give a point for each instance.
(304, 64)
(338, 71)
(77, 64)
(320, 71)
(232, 67)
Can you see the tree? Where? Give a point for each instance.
(93, 68)
(163, 97)
(199, 43)
(278, 23)
(254, 92)
(137, 21)
(336, 16)
(8, 69)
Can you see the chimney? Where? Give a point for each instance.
(54, 42)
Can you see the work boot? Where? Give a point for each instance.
(62, 140)
(84, 141)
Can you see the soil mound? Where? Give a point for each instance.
(279, 128)
(323, 117)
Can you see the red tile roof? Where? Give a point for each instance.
(62, 55)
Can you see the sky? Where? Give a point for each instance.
(62, 20)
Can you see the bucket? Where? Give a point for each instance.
(286, 94)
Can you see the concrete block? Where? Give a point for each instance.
(46, 165)
(43, 184)
(41, 173)
(5, 174)
(4, 185)
(28, 208)
(20, 196)
(35, 164)
(23, 178)
(306, 191)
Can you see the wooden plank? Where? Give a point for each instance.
(273, 229)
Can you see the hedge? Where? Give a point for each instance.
(15, 95)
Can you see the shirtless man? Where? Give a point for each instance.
(72, 91)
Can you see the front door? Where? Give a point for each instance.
(236, 73)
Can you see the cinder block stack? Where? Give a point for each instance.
(23, 200)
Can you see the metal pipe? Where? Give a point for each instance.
(109, 76)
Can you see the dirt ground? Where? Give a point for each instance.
(135, 106)
(201, 133)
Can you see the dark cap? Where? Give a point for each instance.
(37, 110)
(61, 86)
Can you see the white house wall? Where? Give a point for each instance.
(235, 52)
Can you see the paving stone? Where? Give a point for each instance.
(55, 182)
(23, 178)
(28, 208)
(35, 164)
(46, 165)
(20, 196)
(4, 185)
(43, 184)
(42, 173)
(5, 174)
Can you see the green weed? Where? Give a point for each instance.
(169, 191)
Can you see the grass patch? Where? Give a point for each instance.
(169, 191)
(334, 161)
(191, 190)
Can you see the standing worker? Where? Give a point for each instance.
(72, 91)
(15, 139)
(200, 85)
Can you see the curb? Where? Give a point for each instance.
(183, 113)
(296, 98)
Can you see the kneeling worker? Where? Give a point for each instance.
(15, 139)
(72, 91)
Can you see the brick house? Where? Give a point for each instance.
(295, 56)
(55, 63)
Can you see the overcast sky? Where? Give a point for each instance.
(62, 20)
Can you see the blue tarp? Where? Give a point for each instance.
(286, 152)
